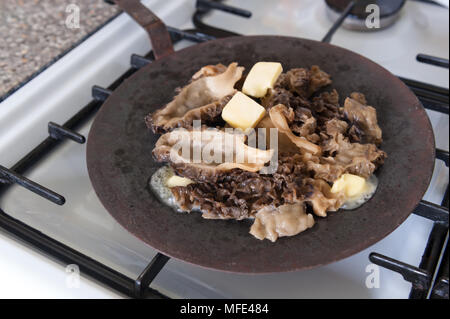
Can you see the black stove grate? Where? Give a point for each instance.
(429, 280)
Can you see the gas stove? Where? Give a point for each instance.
(42, 132)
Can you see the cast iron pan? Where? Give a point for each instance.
(120, 163)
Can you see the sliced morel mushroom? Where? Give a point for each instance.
(203, 99)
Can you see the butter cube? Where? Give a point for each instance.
(243, 112)
(351, 185)
(175, 180)
(261, 77)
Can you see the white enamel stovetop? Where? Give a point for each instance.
(84, 224)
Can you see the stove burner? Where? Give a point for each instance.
(389, 12)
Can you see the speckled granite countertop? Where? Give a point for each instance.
(33, 33)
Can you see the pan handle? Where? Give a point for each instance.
(156, 29)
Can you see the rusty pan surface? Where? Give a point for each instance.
(120, 163)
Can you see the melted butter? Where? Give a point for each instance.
(158, 184)
(368, 191)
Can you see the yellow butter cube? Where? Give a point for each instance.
(349, 184)
(175, 180)
(261, 77)
(243, 112)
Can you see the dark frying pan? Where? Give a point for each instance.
(120, 163)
